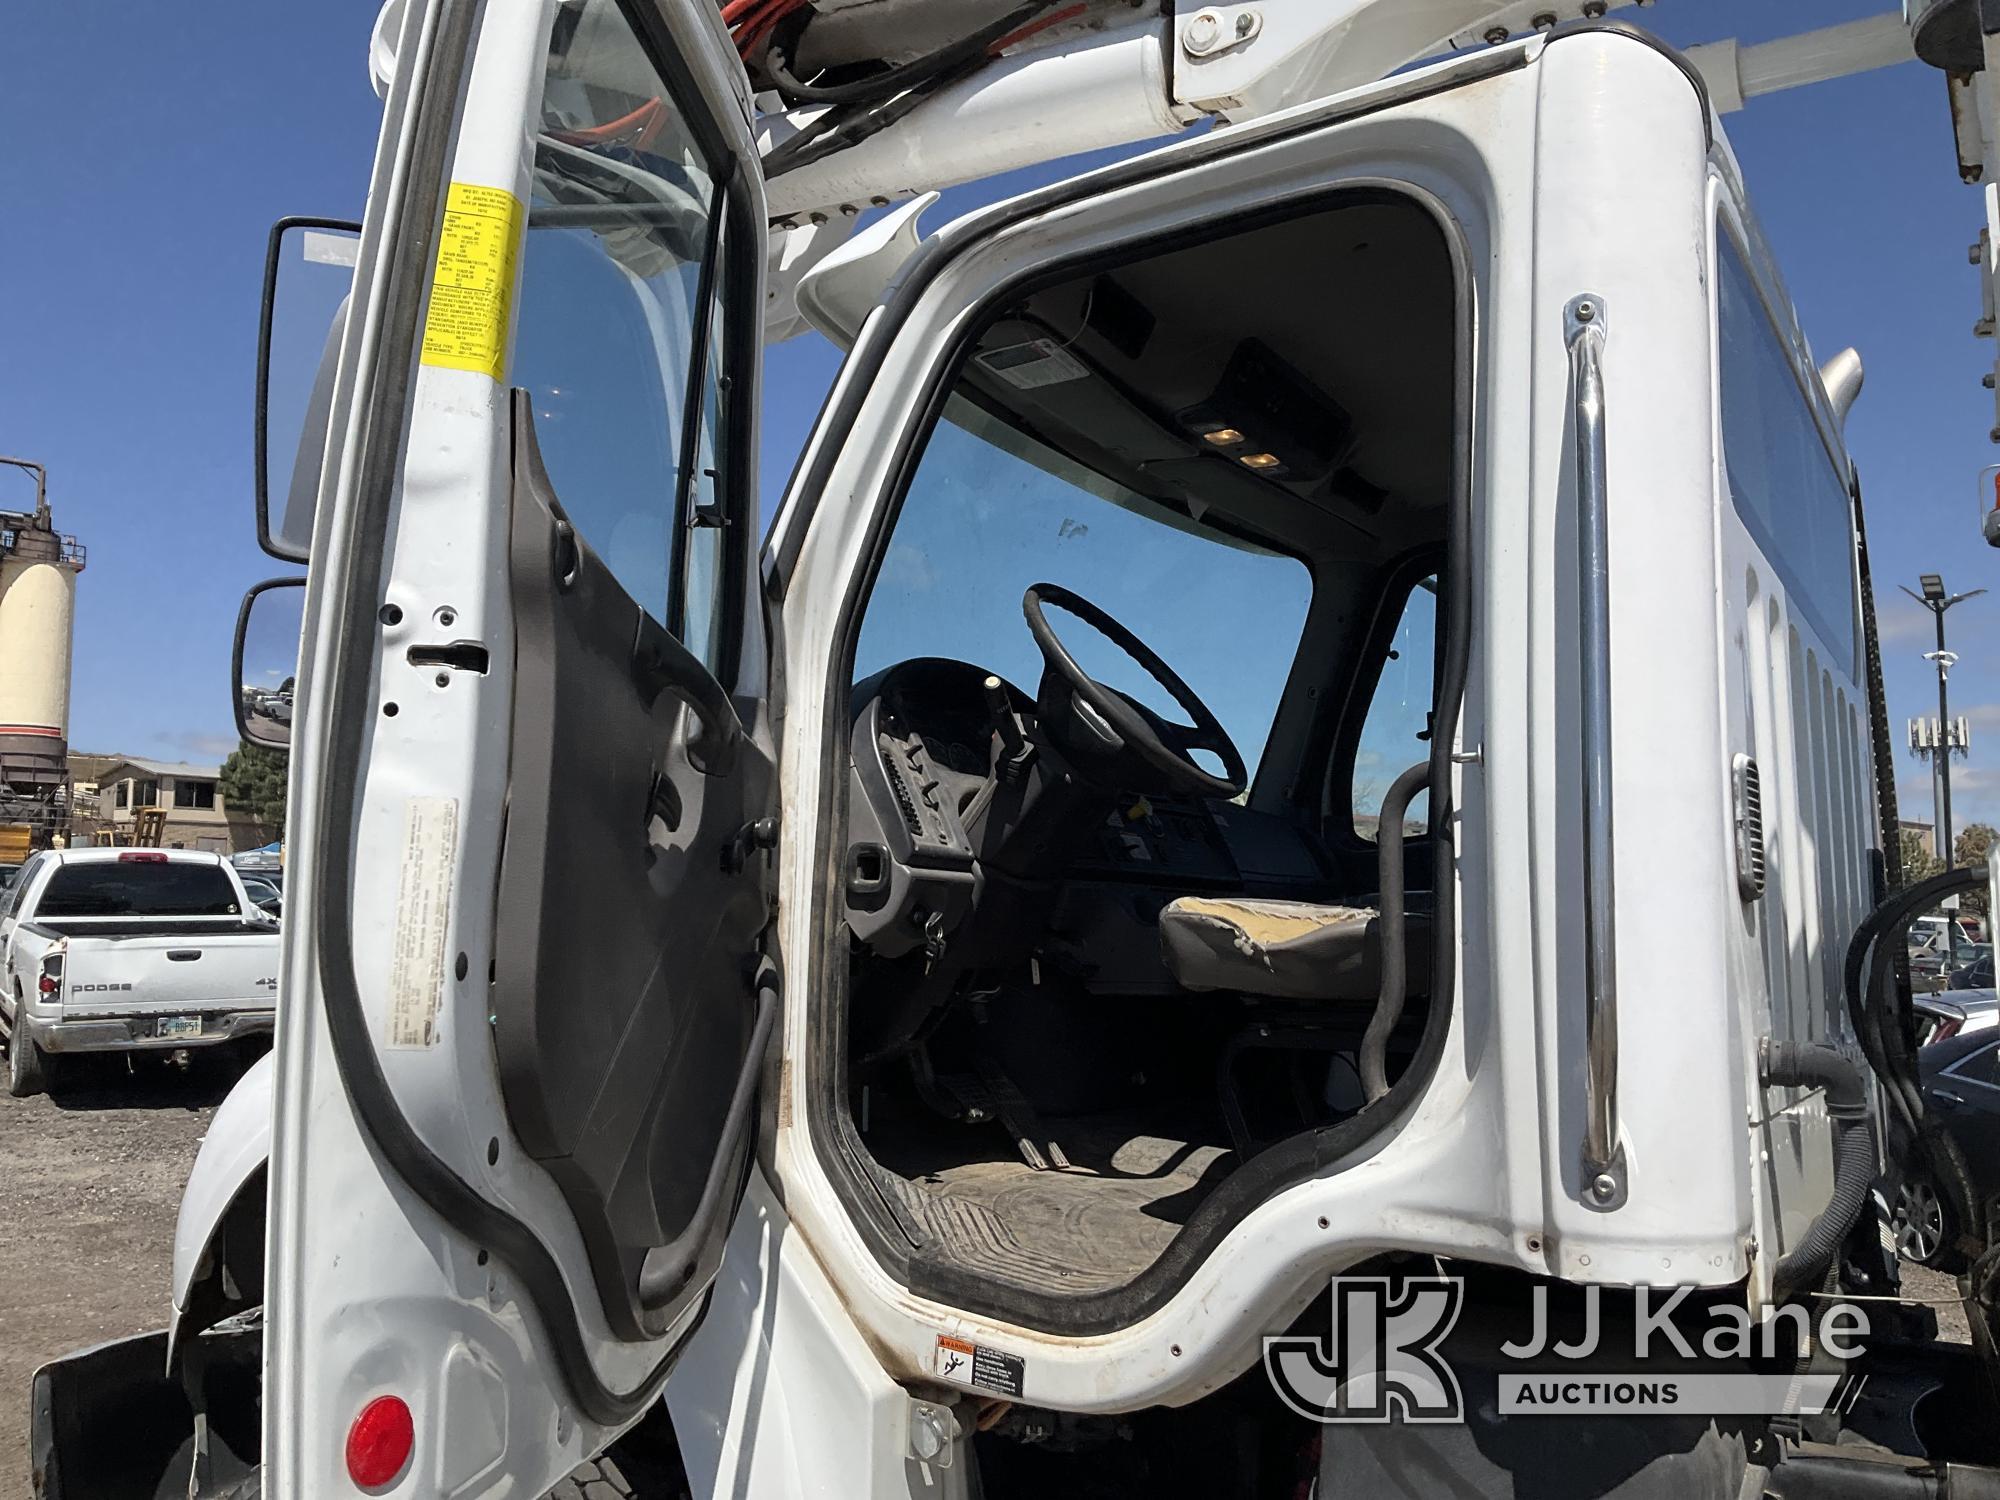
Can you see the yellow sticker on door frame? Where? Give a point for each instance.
(472, 287)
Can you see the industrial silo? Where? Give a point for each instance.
(38, 568)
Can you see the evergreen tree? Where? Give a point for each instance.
(1969, 850)
(253, 783)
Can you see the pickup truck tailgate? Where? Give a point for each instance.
(169, 973)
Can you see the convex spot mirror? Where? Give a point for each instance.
(308, 274)
(265, 661)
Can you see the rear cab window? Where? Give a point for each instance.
(1783, 478)
(139, 888)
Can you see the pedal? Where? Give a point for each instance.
(1041, 1151)
(974, 1102)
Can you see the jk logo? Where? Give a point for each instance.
(1379, 1361)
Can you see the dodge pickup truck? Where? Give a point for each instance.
(124, 950)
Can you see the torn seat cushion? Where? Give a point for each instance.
(1288, 950)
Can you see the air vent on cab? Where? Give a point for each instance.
(1748, 795)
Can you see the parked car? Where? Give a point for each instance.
(1950, 1013)
(269, 896)
(123, 950)
(1932, 965)
(1961, 1085)
(1976, 975)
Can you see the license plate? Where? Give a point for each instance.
(177, 1026)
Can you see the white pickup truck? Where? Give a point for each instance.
(118, 950)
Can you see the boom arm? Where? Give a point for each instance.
(1116, 73)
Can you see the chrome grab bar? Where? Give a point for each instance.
(1603, 1159)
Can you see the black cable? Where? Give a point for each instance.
(793, 153)
(1880, 1027)
(828, 135)
(878, 87)
(1814, 1065)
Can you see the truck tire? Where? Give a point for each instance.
(600, 1479)
(27, 1064)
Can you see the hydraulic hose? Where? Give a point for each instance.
(1881, 1023)
(1812, 1065)
(1395, 946)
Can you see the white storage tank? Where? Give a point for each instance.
(38, 568)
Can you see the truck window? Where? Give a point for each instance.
(1981, 1067)
(11, 897)
(139, 888)
(992, 511)
(620, 231)
(1782, 478)
(1395, 735)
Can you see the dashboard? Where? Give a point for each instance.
(966, 823)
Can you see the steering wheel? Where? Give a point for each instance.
(1162, 746)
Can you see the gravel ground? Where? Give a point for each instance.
(90, 1183)
(1942, 1292)
(89, 1190)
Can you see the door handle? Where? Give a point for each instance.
(1947, 1100)
(662, 664)
(1603, 1160)
(183, 955)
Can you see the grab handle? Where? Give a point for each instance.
(1603, 1159)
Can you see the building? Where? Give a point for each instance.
(197, 817)
(1924, 833)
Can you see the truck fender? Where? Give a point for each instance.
(228, 1177)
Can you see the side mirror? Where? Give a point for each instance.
(308, 274)
(265, 662)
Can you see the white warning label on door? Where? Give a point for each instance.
(978, 1365)
(423, 909)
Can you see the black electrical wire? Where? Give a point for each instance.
(844, 125)
(877, 88)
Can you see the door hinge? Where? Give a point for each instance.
(746, 841)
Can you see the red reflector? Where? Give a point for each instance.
(152, 858)
(379, 1442)
(48, 985)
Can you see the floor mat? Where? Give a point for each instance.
(1094, 1226)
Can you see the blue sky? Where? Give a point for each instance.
(149, 148)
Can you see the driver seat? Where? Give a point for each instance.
(1285, 950)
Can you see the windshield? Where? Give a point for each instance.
(138, 888)
(990, 513)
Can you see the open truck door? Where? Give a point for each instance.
(526, 988)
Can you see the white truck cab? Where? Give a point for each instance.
(1310, 708)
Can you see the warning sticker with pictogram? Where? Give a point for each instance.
(986, 1369)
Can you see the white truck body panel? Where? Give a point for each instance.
(1583, 165)
(141, 975)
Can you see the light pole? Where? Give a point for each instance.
(1937, 601)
